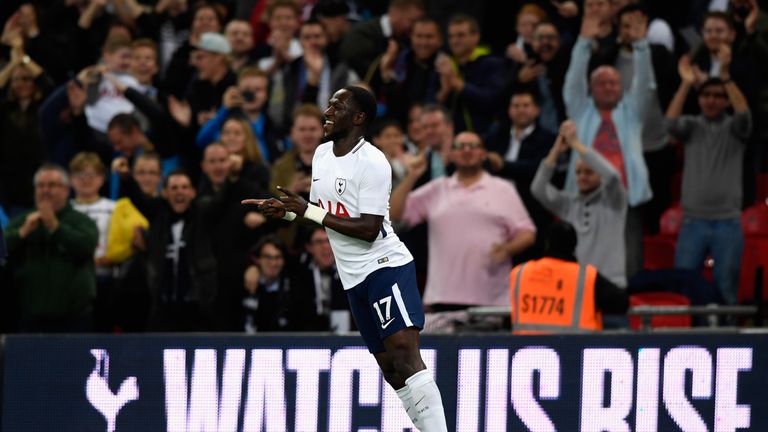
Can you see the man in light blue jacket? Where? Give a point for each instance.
(611, 122)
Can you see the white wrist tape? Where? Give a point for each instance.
(315, 213)
(289, 216)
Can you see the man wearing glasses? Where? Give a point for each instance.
(477, 223)
(53, 247)
(711, 194)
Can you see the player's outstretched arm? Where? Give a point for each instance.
(366, 227)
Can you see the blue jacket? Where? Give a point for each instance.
(627, 116)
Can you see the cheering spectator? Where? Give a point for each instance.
(180, 71)
(544, 74)
(104, 99)
(390, 139)
(88, 175)
(293, 170)
(311, 78)
(239, 34)
(268, 288)
(247, 99)
(333, 15)
(213, 77)
(282, 47)
(237, 137)
(408, 76)
(471, 81)
(515, 153)
(612, 122)
(21, 147)
(471, 197)
(368, 40)
(55, 244)
(318, 302)
(711, 192)
(597, 210)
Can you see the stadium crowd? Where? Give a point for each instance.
(130, 130)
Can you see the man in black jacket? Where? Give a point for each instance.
(181, 260)
(514, 153)
(318, 300)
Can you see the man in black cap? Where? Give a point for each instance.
(334, 16)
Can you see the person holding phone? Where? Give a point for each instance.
(247, 99)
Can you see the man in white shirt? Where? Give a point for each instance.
(351, 183)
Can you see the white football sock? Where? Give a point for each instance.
(405, 396)
(427, 403)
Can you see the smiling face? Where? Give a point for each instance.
(606, 87)
(713, 101)
(270, 262)
(462, 39)
(51, 187)
(523, 110)
(320, 249)
(87, 182)
(239, 34)
(546, 41)
(179, 192)
(233, 137)
(257, 85)
(215, 164)
(425, 40)
(306, 133)
(716, 32)
(22, 83)
(467, 152)
(341, 116)
(144, 64)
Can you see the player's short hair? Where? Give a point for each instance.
(270, 239)
(631, 8)
(83, 160)
(364, 101)
(177, 172)
(52, 167)
(725, 16)
(278, 4)
(529, 91)
(404, 4)
(437, 108)
(461, 18)
(711, 82)
(150, 156)
(251, 71)
(308, 110)
(124, 122)
(381, 125)
(115, 43)
(533, 9)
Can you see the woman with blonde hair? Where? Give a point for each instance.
(238, 138)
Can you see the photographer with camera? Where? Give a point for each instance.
(247, 99)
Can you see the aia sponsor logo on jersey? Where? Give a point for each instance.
(338, 209)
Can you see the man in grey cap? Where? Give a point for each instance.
(213, 77)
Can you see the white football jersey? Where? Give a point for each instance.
(358, 182)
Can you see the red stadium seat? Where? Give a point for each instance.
(660, 299)
(761, 192)
(671, 219)
(754, 222)
(658, 252)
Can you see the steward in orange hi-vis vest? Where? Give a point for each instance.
(550, 295)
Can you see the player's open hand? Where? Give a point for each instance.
(271, 207)
(293, 202)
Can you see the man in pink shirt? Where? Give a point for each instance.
(477, 223)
